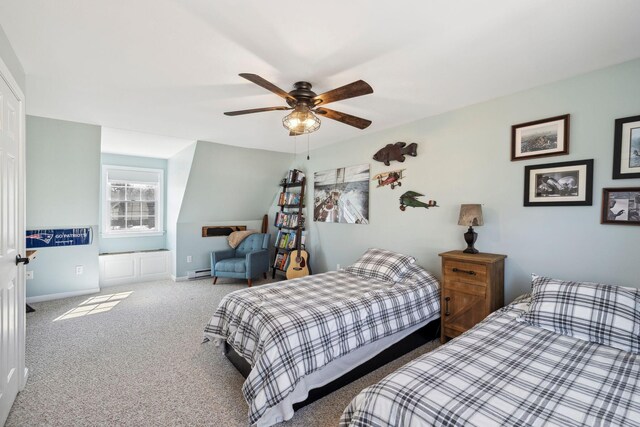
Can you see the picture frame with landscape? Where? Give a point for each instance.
(626, 148)
(620, 206)
(540, 138)
(559, 184)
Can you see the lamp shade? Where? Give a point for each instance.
(301, 120)
(471, 215)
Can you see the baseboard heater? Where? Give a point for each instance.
(198, 274)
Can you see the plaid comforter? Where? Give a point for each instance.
(289, 330)
(503, 372)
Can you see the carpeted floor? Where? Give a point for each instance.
(132, 355)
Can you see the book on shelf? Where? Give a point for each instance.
(280, 260)
(283, 261)
(288, 198)
(288, 219)
(294, 176)
(287, 239)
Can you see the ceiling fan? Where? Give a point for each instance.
(306, 105)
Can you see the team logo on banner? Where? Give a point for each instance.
(59, 237)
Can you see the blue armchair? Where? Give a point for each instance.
(247, 261)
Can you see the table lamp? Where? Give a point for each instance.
(471, 216)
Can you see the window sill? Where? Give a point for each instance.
(131, 234)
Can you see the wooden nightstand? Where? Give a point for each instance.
(472, 288)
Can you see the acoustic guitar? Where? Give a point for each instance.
(298, 265)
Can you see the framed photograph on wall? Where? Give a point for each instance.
(540, 138)
(620, 206)
(626, 148)
(559, 184)
(342, 195)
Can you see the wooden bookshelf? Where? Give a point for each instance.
(295, 180)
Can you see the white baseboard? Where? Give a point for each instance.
(24, 379)
(179, 279)
(50, 297)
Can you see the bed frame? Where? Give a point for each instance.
(427, 333)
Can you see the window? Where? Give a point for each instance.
(132, 201)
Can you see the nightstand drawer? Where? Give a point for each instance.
(465, 272)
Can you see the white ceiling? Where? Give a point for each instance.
(170, 67)
(118, 141)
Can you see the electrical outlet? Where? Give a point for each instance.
(337, 266)
(189, 259)
(29, 274)
(79, 270)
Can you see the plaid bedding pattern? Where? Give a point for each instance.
(381, 264)
(506, 373)
(289, 330)
(603, 314)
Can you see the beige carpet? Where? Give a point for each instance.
(132, 355)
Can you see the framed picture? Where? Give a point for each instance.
(546, 137)
(559, 184)
(626, 148)
(342, 195)
(620, 206)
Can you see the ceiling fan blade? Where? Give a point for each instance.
(255, 110)
(254, 78)
(351, 90)
(344, 118)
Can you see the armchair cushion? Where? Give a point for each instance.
(232, 265)
(252, 243)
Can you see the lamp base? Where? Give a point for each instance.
(470, 237)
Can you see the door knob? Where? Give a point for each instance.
(19, 260)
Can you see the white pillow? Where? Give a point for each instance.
(381, 264)
(594, 312)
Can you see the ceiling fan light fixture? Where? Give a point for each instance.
(301, 120)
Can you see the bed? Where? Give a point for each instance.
(306, 333)
(567, 356)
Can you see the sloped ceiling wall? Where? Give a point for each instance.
(226, 184)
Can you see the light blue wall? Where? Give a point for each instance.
(464, 157)
(63, 190)
(9, 57)
(226, 184)
(124, 244)
(178, 168)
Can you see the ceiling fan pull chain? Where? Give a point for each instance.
(307, 146)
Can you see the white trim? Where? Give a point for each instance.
(51, 297)
(179, 279)
(13, 84)
(104, 223)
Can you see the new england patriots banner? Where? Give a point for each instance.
(59, 237)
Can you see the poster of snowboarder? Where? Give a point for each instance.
(342, 195)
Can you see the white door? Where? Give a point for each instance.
(12, 292)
